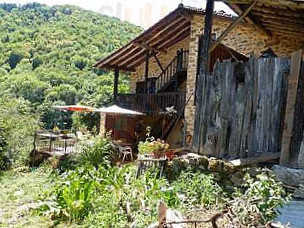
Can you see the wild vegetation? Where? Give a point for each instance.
(111, 196)
(46, 59)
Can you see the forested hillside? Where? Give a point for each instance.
(46, 59)
(47, 53)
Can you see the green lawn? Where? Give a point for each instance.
(19, 194)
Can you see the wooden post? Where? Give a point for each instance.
(203, 72)
(147, 71)
(116, 76)
(291, 105)
(158, 62)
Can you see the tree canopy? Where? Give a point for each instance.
(47, 54)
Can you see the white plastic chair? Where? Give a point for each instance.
(125, 151)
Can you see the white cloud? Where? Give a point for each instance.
(143, 13)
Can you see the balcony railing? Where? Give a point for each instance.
(152, 103)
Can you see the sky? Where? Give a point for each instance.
(140, 12)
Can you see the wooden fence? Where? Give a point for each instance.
(243, 107)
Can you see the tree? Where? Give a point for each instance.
(14, 59)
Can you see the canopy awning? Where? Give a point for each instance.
(114, 109)
(75, 108)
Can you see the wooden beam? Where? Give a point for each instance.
(186, 33)
(115, 92)
(154, 42)
(299, 36)
(283, 25)
(293, 82)
(257, 27)
(147, 70)
(201, 77)
(170, 35)
(279, 12)
(125, 69)
(285, 31)
(158, 62)
(232, 26)
(176, 36)
(254, 160)
(147, 47)
(291, 20)
(288, 3)
(138, 61)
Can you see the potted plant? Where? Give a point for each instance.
(152, 146)
(160, 147)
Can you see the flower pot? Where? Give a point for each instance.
(170, 154)
(157, 153)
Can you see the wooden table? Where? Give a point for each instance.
(147, 162)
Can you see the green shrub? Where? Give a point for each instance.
(100, 152)
(197, 189)
(74, 195)
(257, 201)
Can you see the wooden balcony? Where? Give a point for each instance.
(152, 104)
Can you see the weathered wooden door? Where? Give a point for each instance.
(245, 107)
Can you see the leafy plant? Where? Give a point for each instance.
(99, 152)
(74, 195)
(257, 201)
(199, 189)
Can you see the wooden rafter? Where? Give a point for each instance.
(148, 47)
(257, 27)
(286, 3)
(124, 69)
(280, 12)
(175, 36)
(169, 34)
(287, 33)
(232, 26)
(283, 25)
(155, 43)
(180, 38)
(291, 20)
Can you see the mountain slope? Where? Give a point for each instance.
(47, 53)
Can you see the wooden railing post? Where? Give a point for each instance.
(116, 76)
(147, 70)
